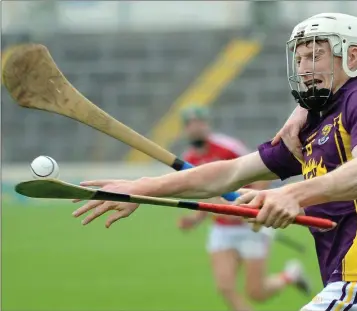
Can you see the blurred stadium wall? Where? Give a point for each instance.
(135, 60)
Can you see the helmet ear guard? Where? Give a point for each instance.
(345, 46)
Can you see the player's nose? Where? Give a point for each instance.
(304, 68)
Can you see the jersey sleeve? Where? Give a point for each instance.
(351, 118)
(279, 160)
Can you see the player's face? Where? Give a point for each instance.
(197, 129)
(317, 66)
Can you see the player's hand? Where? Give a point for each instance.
(98, 208)
(246, 196)
(289, 133)
(278, 208)
(187, 222)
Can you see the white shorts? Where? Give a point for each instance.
(248, 244)
(336, 296)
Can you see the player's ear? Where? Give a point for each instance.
(352, 57)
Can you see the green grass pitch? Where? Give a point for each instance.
(51, 262)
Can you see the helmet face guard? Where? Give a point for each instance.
(309, 97)
(340, 31)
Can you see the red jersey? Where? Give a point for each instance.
(219, 147)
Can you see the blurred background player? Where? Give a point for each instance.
(231, 243)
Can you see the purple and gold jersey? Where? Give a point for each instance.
(327, 143)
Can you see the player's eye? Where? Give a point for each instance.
(315, 57)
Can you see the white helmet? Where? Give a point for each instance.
(340, 30)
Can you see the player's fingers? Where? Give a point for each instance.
(278, 221)
(274, 217)
(96, 183)
(276, 138)
(243, 191)
(257, 227)
(284, 224)
(116, 216)
(98, 211)
(246, 198)
(283, 219)
(257, 201)
(263, 214)
(86, 207)
(185, 225)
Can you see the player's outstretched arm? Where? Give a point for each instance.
(205, 181)
(209, 180)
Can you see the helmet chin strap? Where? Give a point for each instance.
(315, 100)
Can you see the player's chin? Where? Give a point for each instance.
(321, 85)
